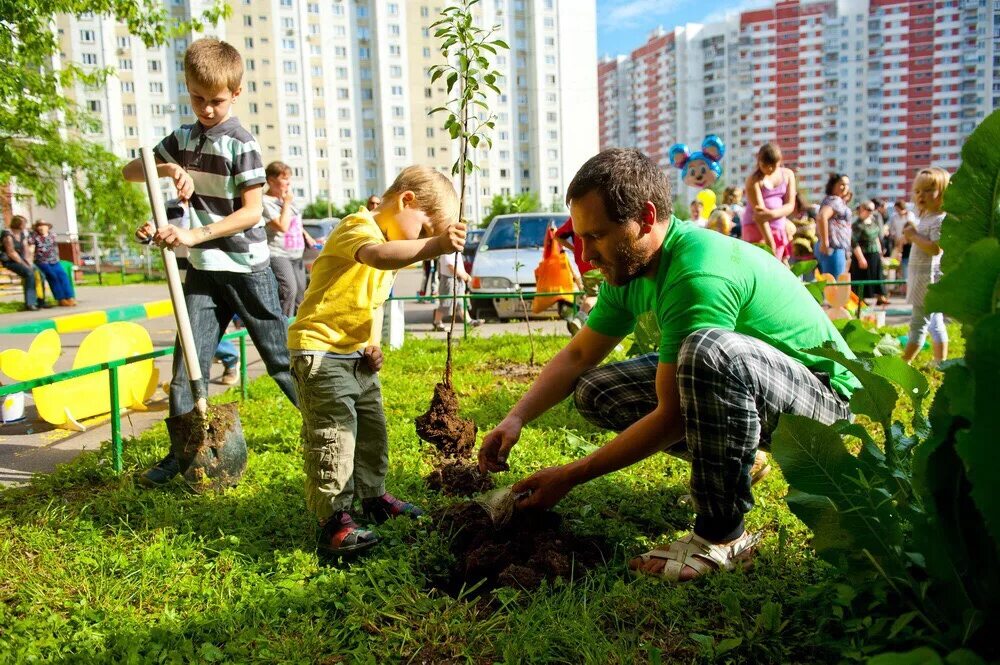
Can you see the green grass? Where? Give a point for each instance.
(95, 569)
(109, 278)
(10, 306)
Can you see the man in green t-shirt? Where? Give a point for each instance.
(734, 324)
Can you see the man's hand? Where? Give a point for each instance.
(174, 236)
(182, 182)
(373, 357)
(545, 488)
(453, 239)
(497, 444)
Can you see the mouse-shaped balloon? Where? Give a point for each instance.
(702, 168)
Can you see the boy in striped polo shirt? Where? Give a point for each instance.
(217, 168)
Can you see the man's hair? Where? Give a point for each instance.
(900, 204)
(729, 196)
(277, 169)
(832, 181)
(214, 64)
(18, 222)
(625, 179)
(434, 192)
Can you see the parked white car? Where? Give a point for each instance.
(495, 269)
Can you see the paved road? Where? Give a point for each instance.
(34, 446)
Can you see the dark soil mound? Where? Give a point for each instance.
(533, 547)
(457, 478)
(441, 426)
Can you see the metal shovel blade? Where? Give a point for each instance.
(211, 449)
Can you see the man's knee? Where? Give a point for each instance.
(703, 348)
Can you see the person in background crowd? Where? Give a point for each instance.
(732, 199)
(47, 261)
(867, 253)
(881, 215)
(17, 255)
(833, 226)
(589, 285)
(925, 263)
(901, 216)
(286, 238)
(771, 199)
(374, 201)
(449, 268)
(696, 209)
(720, 221)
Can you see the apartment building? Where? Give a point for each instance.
(340, 90)
(875, 89)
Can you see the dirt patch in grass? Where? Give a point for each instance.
(458, 478)
(534, 546)
(441, 425)
(520, 372)
(211, 451)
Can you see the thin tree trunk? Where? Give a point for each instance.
(463, 155)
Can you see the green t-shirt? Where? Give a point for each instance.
(708, 280)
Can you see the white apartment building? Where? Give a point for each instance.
(875, 89)
(340, 91)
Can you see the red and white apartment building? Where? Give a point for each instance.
(875, 89)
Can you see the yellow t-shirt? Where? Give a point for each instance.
(344, 299)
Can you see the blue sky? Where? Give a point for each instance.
(622, 25)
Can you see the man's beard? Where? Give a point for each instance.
(629, 262)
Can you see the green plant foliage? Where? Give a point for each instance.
(914, 511)
(321, 208)
(40, 127)
(105, 202)
(504, 204)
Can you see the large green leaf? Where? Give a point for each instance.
(912, 383)
(972, 200)
(978, 445)
(970, 291)
(876, 398)
(816, 462)
(859, 339)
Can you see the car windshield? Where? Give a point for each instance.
(504, 236)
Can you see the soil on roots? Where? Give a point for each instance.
(457, 478)
(441, 426)
(534, 546)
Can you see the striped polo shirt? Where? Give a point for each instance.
(223, 161)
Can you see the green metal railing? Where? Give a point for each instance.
(111, 367)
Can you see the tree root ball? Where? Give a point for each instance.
(440, 426)
(457, 478)
(534, 546)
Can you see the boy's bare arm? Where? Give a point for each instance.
(244, 218)
(397, 254)
(182, 181)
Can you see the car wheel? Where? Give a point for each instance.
(482, 309)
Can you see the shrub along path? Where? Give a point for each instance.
(95, 569)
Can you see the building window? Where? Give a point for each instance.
(87, 36)
(292, 109)
(295, 151)
(94, 106)
(89, 58)
(156, 87)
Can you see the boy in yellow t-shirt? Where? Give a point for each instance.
(335, 355)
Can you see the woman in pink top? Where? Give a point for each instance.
(770, 199)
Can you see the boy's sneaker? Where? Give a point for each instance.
(231, 376)
(382, 508)
(341, 536)
(161, 473)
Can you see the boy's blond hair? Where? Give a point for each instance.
(434, 193)
(720, 221)
(213, 64)
(936, 175)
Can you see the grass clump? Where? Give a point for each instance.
(95, 569)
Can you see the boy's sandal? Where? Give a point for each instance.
(702, 556)
(348, 539)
